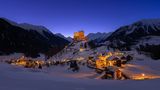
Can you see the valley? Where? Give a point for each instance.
(84, 62)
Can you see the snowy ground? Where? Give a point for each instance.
(59, 78)
(72, 52)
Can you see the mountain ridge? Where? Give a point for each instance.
(30, 42)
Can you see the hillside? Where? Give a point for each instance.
(142, 36)
(28, 39)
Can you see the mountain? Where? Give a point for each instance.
(28, 39)
(98, 36)
(70, 39)
(62, 36)
(27, 26)
(97, 39)
(140, 35)
(130, 34)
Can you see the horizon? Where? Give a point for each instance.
(79, 29)
(69, 16)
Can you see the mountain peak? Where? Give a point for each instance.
(62, 36)
(15, 39)
(98, 35)
(27, 26)
(149, 22)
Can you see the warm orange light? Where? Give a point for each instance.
(79, 36)
(143, 74)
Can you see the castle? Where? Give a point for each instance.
(79, 36)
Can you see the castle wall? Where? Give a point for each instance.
(79, 36)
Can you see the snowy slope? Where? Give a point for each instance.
(145, 24)
(73, 52)
(138, 29)
(98, 36)
(27, 26)
(70, 39)
(37, 28)
(126, 36)
(148, 26)
(62, 36)
(150, 40)
(134, 34)
(60, 78)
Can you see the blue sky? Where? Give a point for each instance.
(68, 16)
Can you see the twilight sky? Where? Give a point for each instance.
(68, 16)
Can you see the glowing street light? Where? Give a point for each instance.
(143, 74)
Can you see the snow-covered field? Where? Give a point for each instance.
(59, 78)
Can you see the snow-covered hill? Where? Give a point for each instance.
(150, 40)
(26, 26)
(62, 36)
(70, 39)
(133, 32)
(98, 36)
(77, 51)
(145, 27)
(60, 78)
(131, 37)
(139, 33)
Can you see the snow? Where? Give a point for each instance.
(145, 23)
(131, 29)
(141, 64)
(150, 21)
(18, 55)
(73, 52)
(70, 39)
(98, 36)
(27, 26)
(11, 56)
(62, 36)
(37, 28)
(58, 78)
(130, 71)
(151, 40)
(63, 71)
(61, 78)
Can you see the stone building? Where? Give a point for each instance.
(79, 36)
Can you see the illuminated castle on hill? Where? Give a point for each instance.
(79, 36)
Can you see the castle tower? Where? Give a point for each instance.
(79, 36)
